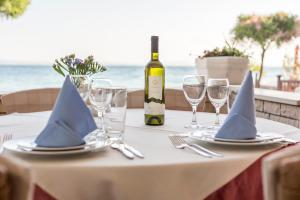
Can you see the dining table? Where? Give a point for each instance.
(164, 173)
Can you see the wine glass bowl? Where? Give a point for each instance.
(100, 97)
(194, 89)
(217, 92)
(194, 93)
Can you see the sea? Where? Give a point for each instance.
(22, 77)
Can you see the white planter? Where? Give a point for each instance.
(233, 68)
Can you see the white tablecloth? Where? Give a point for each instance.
(165, 173)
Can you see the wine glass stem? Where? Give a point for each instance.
(194, 119)
(217, 122)
(101, 121)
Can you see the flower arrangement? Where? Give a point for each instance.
(227, 50)
(75, 66)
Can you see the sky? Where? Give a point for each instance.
(117, 32)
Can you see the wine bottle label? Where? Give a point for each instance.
(155, 106)
(155, 87)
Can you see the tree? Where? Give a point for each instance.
(264, 30)
(13, 8)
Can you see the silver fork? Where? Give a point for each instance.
(5, 138)
(179, 143)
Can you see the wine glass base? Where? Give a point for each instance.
(214, 127)
(193, 126)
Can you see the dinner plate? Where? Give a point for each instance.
(12, 146)
(29, 144)
(262, 139)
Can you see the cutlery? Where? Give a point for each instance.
(133, 150)
(289, 141)
(123, 150)
(281, 138)
(5, 138)
(178, 143)
(204, 149)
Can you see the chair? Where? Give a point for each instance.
(174, 100)
(36, 100)
(4, 183)
(281, 175)
(287, 85)
(28, 100)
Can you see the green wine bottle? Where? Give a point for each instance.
(154, 104)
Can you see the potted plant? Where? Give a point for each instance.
(228, 62)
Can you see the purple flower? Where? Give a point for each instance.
(69, 62)
(77, 61)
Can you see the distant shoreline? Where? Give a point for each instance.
(127, 65)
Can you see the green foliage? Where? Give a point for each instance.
(277, 28)
(75, 66)
(227, 50)
(13, 8)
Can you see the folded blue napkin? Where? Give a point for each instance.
(240, 122)
(70, 121)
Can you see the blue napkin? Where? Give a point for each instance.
(70, 121)
(240, 122)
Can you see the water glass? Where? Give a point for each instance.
(100, 97)
(115, 115)
(82, 83)
(194, 88)
(217, 91)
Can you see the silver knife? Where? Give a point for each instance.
(123, 150)
(133, 150)
(204, 149)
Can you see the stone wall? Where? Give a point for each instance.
(287, 114)
(278, 106)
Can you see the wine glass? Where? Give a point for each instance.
(100, 97)
(194, 88)
(217, 91)
(82, 83)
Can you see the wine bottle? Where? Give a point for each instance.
(154, 105)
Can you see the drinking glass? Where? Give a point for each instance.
(194, 88)
(217, 91)
(100, 97)
(115, 115)
(82, 83)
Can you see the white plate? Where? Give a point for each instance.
(213, 141)
(29, 144)
(261, 137)
(12, 146)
